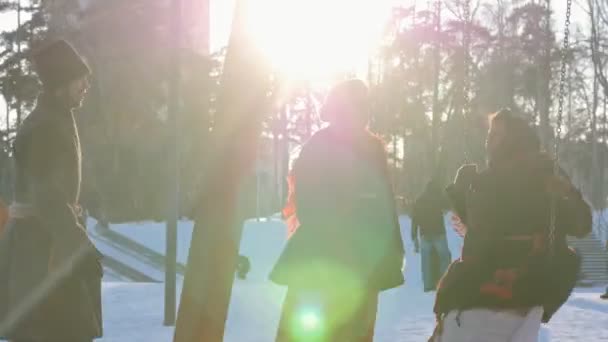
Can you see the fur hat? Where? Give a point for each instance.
(58, 63)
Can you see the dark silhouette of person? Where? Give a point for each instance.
(427, 217)
(511, 276)
(51, 288)
(348, 246)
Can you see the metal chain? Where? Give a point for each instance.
(466, 106)
(560, 115)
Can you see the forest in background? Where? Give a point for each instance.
(417, 78)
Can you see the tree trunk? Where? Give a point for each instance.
(213, 253)
(594, 161)
(602, 161)
(597, 77)
(436, 73)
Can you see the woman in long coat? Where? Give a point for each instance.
(348, 246)
(514, 272)
(50, 272)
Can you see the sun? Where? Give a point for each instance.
(313, 39)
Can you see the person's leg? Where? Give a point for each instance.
(287, 313)
(368, 318)
(426, 253)
(443, 252)
(434, 265)
(530, 328)
(482, 325)
(305, 317)
(358, 325)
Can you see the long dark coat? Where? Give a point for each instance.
(349, 231)
(506, 260)
(50, 280)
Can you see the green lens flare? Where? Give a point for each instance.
(308, 324)
(310, 321)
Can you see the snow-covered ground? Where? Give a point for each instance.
(133, 312)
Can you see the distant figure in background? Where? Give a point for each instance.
(50, 282)
(3, 215)
(427, 217)
(605, 295)
(243, 267)
(348, 247)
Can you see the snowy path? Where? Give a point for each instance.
(133, 312)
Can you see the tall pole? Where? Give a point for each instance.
(8, 118)
(18, 39)
(173, 165)
(436, 75)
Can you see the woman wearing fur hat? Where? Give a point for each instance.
(510, 276)
(51, 290)
(348, 246)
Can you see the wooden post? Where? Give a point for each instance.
(173, 165)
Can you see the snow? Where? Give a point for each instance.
(127, 258)
(600, 226)
(134, 312)
(152, 235)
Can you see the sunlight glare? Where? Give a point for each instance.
(310, 39)
(311, 321)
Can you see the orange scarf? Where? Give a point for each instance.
(289, 211)
(458, 225)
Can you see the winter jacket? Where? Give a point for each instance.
(428, 216)
(3, 216)
(49, 247)
(349, 231)
(506, 260)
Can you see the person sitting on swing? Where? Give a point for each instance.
(516, 269)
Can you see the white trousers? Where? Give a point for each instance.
(482, 325)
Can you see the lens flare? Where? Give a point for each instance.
(310, 321)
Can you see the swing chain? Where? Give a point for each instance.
(560, 115)
(466, 80)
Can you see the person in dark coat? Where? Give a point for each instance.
(348, 246)
(509, 265)
(51, 274)
(427, 217)
(3, 215)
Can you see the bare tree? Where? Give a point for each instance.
(598, 25)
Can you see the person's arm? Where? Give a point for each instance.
(582, 216)
(456, 192)
(415, 228)
(574, 216)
